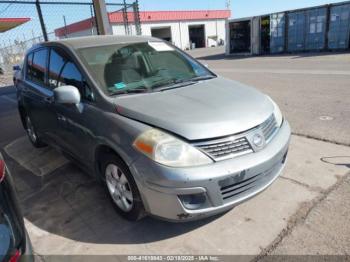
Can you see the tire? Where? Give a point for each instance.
(32, 134)
(122, 188)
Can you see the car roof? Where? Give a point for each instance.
(100, 40)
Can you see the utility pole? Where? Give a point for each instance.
(41, 20)
(103, 25)
(137, 17)
(65, 27)
(228, 4)
(126, 19)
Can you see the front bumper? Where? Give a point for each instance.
(225, 183)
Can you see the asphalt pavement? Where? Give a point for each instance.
(312, 89)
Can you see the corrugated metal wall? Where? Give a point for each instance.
(255, 31)
(339, 27)
(296, 31)
(277, 32)
(308, 29)
(315, 36)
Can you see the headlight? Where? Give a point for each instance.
(277, 113)
(168, 150)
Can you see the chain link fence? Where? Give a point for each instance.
(124, 19)
(24, 23)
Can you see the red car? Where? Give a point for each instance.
(14, 241)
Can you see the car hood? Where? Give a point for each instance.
(207, 109)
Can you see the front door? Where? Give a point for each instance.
(72, 132)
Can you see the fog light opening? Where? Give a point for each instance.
(193, 201)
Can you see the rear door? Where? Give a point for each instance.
(37, 95)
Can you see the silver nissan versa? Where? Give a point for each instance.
(164, 134)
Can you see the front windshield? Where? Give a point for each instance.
(140, 66)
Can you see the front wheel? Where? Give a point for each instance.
(122, 189)
(31, 132)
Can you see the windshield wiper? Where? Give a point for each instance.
(200, 78)
(177, 84)
(138, 90)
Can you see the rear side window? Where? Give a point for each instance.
(29, 66)
(37, 69)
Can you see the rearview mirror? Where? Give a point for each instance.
(67, 95)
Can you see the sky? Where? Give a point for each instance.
(240, 8)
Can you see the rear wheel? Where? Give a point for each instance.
(31, 132)
(122, 189)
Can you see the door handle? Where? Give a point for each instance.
(61, 118)
(49, 100)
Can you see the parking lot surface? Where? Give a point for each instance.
(312, 89)
(304, 212)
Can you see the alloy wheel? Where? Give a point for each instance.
(119, 187)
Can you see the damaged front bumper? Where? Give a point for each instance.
(184, 194)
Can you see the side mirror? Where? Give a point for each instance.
(67, 95)
(16, 68)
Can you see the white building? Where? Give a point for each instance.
(185, 29)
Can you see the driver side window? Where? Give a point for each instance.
(62, 72)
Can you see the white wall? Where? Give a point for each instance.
(90, 31)
(179, 31)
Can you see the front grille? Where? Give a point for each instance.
(220, 149)
(226, 148)
(231, 189)
(269, 127)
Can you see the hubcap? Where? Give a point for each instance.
(30, 130)
(119, 188)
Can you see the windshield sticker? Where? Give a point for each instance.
(160, 46)
(120, 85)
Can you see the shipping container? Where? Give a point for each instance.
(277, 32)
(309, 29)
(315, 37)
(296, 31)
(339, 27)
(255, 28)
(265, 34)
(240, 38)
